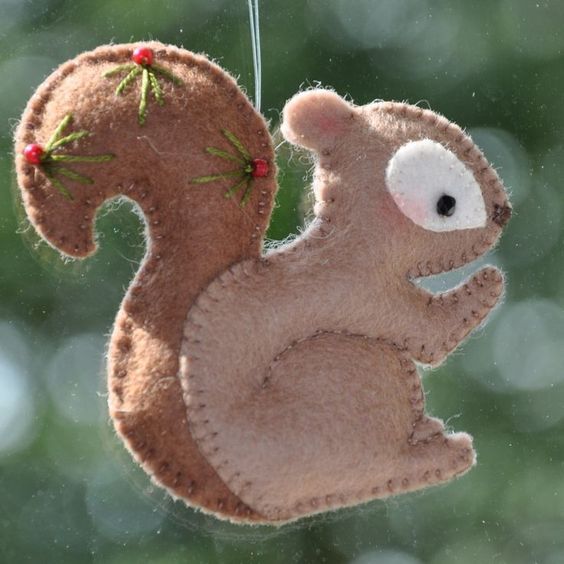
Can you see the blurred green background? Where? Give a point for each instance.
(68, 490)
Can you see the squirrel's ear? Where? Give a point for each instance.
(316, 119)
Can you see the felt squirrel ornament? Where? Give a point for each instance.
(266, 386)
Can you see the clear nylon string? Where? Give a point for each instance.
(255, 40)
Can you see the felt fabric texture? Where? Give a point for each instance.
(298, 368)
(193, 232)
(263, 388)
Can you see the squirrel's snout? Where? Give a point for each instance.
(501, 214)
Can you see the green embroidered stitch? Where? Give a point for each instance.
(244, 173)
(129, 78)
(149, 81)
(166, 74)
(157, 90)
(50, 160)
(143, 102)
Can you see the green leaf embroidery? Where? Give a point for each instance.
(244, 173)
(150, 75)
(50, 159)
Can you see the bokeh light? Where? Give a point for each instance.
(17, 407)
(118, 512)
(76, 379)
(528, 347)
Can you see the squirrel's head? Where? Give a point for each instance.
(411, 181)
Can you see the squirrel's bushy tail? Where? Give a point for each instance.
(173, 132)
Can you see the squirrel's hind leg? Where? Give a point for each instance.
(329, 423)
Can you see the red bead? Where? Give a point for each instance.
(143, 56)
(33, 153)
(260, 168)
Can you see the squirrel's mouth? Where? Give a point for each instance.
(451, 279)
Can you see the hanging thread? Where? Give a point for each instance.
(255, 40)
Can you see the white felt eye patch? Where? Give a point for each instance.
(434, 189)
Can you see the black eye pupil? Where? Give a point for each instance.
(446, 205)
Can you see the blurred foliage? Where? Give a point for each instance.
(68, 490)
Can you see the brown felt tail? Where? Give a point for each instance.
(180, 139)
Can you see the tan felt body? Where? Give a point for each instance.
(265, 388)
(298, 368)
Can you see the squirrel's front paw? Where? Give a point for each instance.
(474, 301)
(452, 315)
(487, 284)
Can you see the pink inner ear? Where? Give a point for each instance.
(330, 125)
